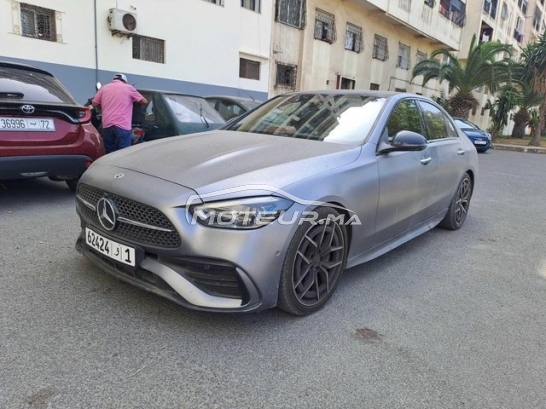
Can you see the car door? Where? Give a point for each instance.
(405, 178)
(446, 150)
(157, 122)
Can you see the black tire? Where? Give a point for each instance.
(72, 183)
(458, 208)
(321, 249)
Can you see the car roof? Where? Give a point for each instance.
(24, 67)
(232, 97)
(164, 91)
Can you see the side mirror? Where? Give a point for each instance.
(404, 141)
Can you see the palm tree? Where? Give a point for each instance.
(534, 60)
(500, 110)
(526, 99)
(482, 67)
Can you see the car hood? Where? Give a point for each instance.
(475, 133)
(216, 160)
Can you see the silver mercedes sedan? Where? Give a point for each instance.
(270, 211)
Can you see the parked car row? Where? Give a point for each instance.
(44, 132)
(328, 179)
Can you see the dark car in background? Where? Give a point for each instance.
(170, 113)
(231, 107)
(480, 138)
(44, 132)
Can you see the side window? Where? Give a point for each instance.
(212, 103)
(404, 117)
(437, 125)
(153, 114)
(229, 110)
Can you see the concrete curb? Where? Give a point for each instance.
(518, 148)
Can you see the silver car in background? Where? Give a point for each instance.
(272, 209)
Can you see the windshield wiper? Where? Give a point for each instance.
(201, 114)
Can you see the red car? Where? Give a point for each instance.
(44, 132)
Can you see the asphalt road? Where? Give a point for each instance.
(450, 320)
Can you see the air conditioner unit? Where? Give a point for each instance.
(122, 22)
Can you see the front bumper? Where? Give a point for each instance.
(178, 281)
(201, 268)
(481, 144)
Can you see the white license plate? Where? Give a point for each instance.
(116, 251)
(26, 124)
(480, 143)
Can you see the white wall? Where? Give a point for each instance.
(203, 41)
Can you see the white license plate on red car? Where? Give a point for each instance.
(26, 124)
(116, 251)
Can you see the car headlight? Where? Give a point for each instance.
(248, 213)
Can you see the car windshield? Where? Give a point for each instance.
(465, 124)
(338, 118)
(188, 108)
(31, 86)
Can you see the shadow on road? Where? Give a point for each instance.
(18, 193)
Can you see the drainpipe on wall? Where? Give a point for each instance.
(96, 43)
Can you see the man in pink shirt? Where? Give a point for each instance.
(116, 102)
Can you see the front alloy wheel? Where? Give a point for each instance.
(315, 261)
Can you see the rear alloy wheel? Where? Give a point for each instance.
(458, 208)
(314, 263)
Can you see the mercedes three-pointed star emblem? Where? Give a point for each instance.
(106, 211)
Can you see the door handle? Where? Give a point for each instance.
(426, 161)
(460, 152)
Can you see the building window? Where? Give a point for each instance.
(537, 19)
(380, 48)
(148, 49)
(254, 5)
(291, 12)
(454, 10)
(522, 4)
(38, 22)
(217, 2)
(249, 69)
(490, 7)
(518, 31)
(430, 3)
(345, 83)
(374, 87)
(325, 28)
(353, 38)
(286, 75)
(421, 56)
(504, 11)
(403, 57)
(400, 89)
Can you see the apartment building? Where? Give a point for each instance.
(362, 44)
(194, 46)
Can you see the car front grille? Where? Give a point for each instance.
(158, 230)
